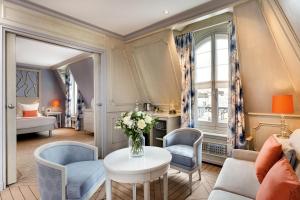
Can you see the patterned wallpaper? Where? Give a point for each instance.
(27, 83)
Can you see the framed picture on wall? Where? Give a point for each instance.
(28, 83)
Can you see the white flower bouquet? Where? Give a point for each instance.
(134, 125)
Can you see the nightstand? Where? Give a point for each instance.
(57, 115)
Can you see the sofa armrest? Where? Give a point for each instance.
(244, 155)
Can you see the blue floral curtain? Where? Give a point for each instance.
(185, 50)
(236, 137)
(79, 112)
(68, 121)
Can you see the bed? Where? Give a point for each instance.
(34, 124)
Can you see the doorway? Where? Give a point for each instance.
(25, 86)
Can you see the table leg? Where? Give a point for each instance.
(108, 188)
(147, 190)
(166, 186)
(134, 191)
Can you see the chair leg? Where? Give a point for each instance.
(199, 172)
(190, 182)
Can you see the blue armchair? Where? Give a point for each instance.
(185, 145)
(68, 170)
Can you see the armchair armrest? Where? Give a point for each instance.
(51, 177)
(244, 155)
(197, 146)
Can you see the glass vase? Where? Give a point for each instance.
(136, 145)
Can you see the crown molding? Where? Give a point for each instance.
(201, 10)
(53, 13)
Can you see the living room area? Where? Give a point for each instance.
(191, 100)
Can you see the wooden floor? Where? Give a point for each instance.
(178, 188)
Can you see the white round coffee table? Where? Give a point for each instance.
(121, 168)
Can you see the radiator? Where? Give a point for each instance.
(214, 148)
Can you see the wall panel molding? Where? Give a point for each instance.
(123, 90)
(157, 67)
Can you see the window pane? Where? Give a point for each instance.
(221, 41)
(203, 74)
(222, 57)
(204, 105)
(222, 73)
(203, 61)
(205, 46)
(222, 105)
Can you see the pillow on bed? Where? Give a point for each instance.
(29, 110)
(30, 113)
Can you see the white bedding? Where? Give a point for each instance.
(31, 122)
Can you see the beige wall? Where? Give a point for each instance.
(269, 65)
(264, 73)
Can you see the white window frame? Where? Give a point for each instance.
(74, 94)
(213, 126)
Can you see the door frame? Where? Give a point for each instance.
(100, 98)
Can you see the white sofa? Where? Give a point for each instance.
(237, 179)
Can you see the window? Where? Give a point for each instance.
(211, 82)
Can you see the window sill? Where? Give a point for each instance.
(215, 134)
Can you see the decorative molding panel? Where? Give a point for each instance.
(263, 125)
(123, 91)
(157, 67)
(116, 139)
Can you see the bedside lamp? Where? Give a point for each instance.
(55, 103)
(283, 104)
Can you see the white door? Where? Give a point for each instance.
(99, 104)
(11, 130)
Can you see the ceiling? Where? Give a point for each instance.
(119, 16)
(41, 54)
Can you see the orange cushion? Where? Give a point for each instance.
(280, 183)
(269, 154)
(30, 113)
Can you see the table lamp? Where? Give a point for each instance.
(283, 104)
(55, 103)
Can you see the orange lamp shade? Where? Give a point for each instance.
(283, 104)
(55, 103)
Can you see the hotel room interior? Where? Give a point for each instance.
(161, 99)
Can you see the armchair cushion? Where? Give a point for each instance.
(182, 155)
(79, 184)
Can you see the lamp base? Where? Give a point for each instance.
(283, 132)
